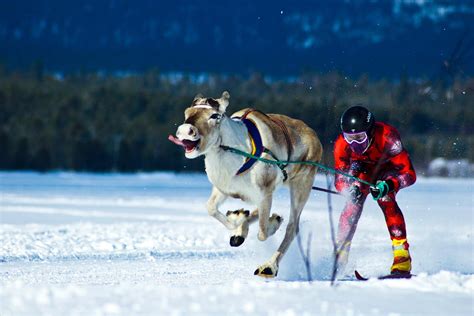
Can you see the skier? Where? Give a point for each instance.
(372, 151)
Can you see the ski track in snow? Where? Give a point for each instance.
(84, 244)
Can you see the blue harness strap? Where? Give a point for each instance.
(256, 143)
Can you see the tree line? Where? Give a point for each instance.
(96, 122)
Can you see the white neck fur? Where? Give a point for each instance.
(233, 133)
(221, 166)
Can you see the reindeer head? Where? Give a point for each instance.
(200, 130)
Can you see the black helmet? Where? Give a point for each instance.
(357, 119)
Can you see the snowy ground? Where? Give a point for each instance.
(81, 244)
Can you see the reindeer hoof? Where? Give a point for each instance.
(236, 241)
(266, 272)
(277, 218)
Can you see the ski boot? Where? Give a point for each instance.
(401, 257)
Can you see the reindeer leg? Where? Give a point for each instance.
(239, 234)
(267, 184)
(268, 226)
(263, 214)
(300, 189)
(237, 221)
(215, 200)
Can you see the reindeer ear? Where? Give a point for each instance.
(197, 97)
(223, 101)
(225, 95)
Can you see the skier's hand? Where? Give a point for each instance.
(355, 193)
(381, 189)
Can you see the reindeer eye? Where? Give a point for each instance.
(215, 116)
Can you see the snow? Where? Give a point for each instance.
(86, 244)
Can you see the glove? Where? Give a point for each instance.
(381, 189)
(355, 193)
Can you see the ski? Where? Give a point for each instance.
(384, 277)
(359, 276)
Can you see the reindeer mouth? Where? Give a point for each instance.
(187, 144)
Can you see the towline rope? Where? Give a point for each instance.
(296, 162)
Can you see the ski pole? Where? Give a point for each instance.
(325, 190)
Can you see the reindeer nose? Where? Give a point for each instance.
(187, 130)
(192, 131)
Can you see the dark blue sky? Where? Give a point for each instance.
(281, 38)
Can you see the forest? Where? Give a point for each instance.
(120, 122)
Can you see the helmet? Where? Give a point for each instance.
(357, 119)
(357, 124)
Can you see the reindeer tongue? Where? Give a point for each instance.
(176, 140)
(188, 145)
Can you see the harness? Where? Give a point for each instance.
(257, 144)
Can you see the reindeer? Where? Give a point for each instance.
(208, 131)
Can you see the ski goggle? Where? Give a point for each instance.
(358, 138)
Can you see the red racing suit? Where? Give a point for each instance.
(384, 159)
